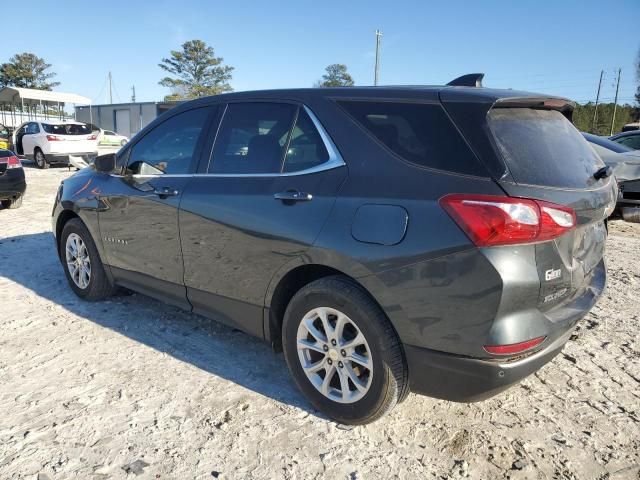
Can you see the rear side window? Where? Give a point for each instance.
(632, 142)
(542, 147)
(252, 138)
(419, 133)
(306, 148)
(66, 129)
(605, 143)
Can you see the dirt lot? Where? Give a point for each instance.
(133, 388)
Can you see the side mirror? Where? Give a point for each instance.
(105, 163)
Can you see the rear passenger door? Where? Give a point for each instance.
(261, 200)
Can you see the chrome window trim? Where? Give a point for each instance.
(335, 159)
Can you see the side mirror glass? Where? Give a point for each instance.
(105, 163)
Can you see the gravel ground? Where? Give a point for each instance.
(131, 388)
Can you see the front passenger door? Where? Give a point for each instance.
(28, 143)
(139, 215)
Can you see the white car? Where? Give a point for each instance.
(110, 138)
(70, 143)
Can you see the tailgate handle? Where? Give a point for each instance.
(603, 172)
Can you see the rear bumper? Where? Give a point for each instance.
(463, 379)
(64, 157)
(12, 183)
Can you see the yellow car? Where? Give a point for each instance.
(4, 137)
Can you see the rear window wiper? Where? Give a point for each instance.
(603, 172)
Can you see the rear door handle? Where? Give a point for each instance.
(293, 196)
(165, 192)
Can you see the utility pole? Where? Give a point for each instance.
(377, 70)
(615, 102)
(595, 111)
(110, 93)
(133, 94)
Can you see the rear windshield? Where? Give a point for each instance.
(542, 147)
(419, 133)
(66, 129)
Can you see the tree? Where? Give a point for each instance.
(197, 72)
(636, 111)
(27, 70)
(336, 76)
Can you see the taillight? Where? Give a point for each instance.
(11, 162)
(54, 138)
(92, 137)
(514, 348)
(494, 220)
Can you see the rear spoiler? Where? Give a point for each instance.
(561, 105)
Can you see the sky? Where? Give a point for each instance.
(554, 47)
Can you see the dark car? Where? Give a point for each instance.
(625, 164)
(440, 240)
(12, 180)
(629, 139)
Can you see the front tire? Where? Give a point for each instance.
(123, 143)
(342, 351)
(12, 203)
(40, 159)
(81, 262)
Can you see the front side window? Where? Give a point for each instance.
(170, 147)
(252, 138)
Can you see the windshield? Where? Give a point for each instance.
(606, 143)
(67, 129)
(4, 132)
(542, 147)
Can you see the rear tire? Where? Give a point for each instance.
(40, 159)
(12, 203)
(81, 262)
(361, 346)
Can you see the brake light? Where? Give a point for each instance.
(54, 138)
(11, 162)
(490, 220)
(92, 137)
(514, 348)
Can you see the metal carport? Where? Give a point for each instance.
(29, 101)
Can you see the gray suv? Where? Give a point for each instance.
(442, 240)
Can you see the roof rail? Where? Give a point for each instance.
(468, 80)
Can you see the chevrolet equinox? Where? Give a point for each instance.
(441, 240)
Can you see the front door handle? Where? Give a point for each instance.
(293, 196)
(165, 192)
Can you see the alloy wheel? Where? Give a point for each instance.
(78, 261)
(334, 355)
(39, 158)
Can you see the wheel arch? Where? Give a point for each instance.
(61, 221)
(290, 283)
